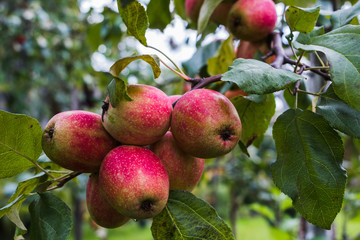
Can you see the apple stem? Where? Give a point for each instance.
(202, 82)
(179, 69)
(63, 180)
(183, 75)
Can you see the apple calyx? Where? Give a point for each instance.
(227, 133)
(146, 206)
(50, 133)
(236, 22)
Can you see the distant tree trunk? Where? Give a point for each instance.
(78, 217)
(308, 231)
(234, 206)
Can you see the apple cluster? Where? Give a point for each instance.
(249, 20)
(139, 150)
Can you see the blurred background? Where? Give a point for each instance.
(55, 55)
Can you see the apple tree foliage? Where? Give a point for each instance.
(308, 135)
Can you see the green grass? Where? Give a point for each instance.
(247, 229)
(255, 228)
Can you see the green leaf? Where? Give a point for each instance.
(93, 36)
(222, 59)
(20, 143)
(18, 235)
(263, 210)
(50, 218)
(23, 189)
(302, 19)
(308, 166)
(180, 8)
(299, 3)
(207, 8)
(13, 215)
(340, 115)
(188, 217)
(303, 100)
(306, 37)
(243, 148)
(124, 3)
(344, 16)
(117, 91)
(121, 64)
(117, 87)
(342, 50)
(199, 59)
(256, 77)
(255, 116)
(355, 21)
(159, 13)
(135, 19)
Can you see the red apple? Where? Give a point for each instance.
(221, 12)
(250, 50)
(76, 140)
(184, 170)
(99, 208)
(192, 9)
(219, 16)
(205, 124)
(142, 121)
(174, 98)
(252, 20)
(135, 181)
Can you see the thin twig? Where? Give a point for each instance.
(28, 158)
(319, 58)
(200, 83)
(179, 69)
(281, 57)
(310, 93)
(176, 72)
(64, 181)
(278, 50)
(326, 76)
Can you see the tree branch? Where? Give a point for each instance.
(202, 82)
(281, 57)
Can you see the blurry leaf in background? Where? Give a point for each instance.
(199, 59)
(207, 8)
(344, 16)
(222, 59)
(180, 8)
(159, 13)
(299, 3)
(94, 36)
(124, 3)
